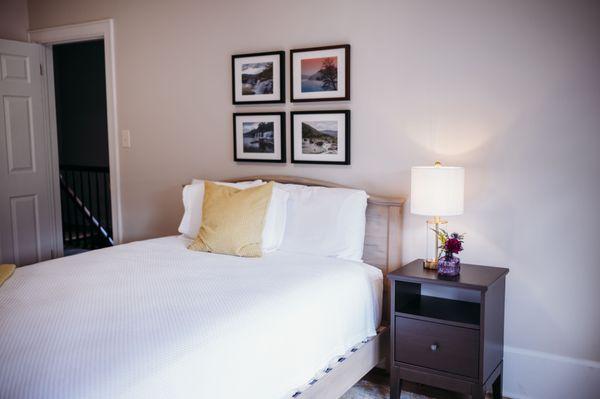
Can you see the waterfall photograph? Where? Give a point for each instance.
(257, 78)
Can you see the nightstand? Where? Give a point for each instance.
(447, 333)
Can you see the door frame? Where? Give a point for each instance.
(102, 29)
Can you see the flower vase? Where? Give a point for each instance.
(449, 266)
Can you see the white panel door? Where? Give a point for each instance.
(26, 223)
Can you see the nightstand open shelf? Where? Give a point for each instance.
(448, 333)
(440, 310)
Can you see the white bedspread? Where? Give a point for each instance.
(151, 319)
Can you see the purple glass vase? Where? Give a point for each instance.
(449, 266)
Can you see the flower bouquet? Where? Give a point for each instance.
(450, 244)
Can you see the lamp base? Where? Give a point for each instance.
(434, 226)
(430, 264)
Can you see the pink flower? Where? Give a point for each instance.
(453, 246)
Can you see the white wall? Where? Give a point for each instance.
(508, 89)
(13, 20)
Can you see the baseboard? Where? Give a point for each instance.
(538, 375)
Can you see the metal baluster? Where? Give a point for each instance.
(76, 214)
(67, 207)
(97, 211)
(65, 214)
(88, 223)
(75, 220)
(107, 204)
(101, 202)
(84, 203)
(90, 207)
(73, 215)
(80, 216)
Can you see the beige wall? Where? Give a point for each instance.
(13, 19)
(508, 89)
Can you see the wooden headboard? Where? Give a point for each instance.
(383, 245)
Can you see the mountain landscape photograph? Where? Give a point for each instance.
(319, 74)
(320, 137)
(257, 78)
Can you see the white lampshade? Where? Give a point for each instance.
(437, 190)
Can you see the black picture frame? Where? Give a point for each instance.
(234, 88)
(295, 136)
(346, 47)
(282, 133)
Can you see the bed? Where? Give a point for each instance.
(151, 319)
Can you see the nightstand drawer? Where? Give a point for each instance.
(437, 346)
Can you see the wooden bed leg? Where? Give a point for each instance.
(395, 383)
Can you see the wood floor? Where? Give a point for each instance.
(375, 385)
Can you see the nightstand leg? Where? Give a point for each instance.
(478, 393)
(497, 387)
(395, 383)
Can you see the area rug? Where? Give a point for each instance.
(369, 390)
(375, 385)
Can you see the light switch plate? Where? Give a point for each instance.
(125, 139)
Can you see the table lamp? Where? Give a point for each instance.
(436, 191)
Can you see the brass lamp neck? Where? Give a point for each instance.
(437, 220)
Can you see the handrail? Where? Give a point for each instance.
(84, 168)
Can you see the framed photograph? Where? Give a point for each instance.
(321, 137)
(320, 73)
(258, 78)
(259, 137)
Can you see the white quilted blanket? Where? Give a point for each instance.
(151, 319)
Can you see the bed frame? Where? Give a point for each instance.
(382, 249)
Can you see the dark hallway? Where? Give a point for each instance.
(80, 90)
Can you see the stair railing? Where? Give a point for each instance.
(86, 211)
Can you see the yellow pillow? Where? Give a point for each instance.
(233, 220)
(6, 270)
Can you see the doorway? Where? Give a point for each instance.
(82, 141)
(107, 218)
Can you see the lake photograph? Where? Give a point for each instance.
(318, 74)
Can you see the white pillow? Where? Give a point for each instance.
(275, 221)
(325, 221)
(273, 231)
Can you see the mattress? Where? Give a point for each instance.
(151, 319)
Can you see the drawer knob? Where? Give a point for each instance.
(434, 347)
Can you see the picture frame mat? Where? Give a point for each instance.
(278, 133)
(239, 60)
(296, 60)
(297, 120)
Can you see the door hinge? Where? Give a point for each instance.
(41, 70)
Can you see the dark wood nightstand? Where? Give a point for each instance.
(447, 333)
